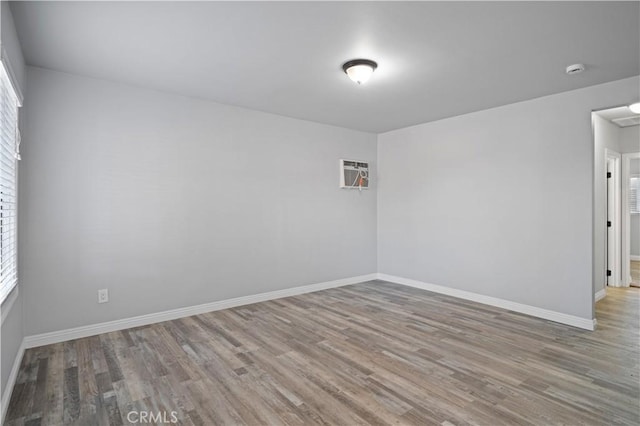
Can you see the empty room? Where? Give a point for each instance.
(331, 213)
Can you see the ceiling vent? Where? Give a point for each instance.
(575, 69)
(627, 121)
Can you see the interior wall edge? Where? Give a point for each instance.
(13, 376)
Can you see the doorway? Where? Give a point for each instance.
(614, 270)
(631, 218)
(616, 137)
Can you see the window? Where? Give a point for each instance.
(9, 140)
(634, 195)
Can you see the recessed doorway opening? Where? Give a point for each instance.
(616, 212)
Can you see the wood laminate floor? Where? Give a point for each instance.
(635, 272)
(371, 353)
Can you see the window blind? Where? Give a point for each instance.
(9, 140)
(634, 197)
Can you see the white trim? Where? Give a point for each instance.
(634, 258)
(13, 376)
(585, 323)
(106, 327)
(601, 294)
(626, 219)
(4, 58)
(7, 304)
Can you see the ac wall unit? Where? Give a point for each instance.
(354, 174)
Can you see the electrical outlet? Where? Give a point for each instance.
(103, 295)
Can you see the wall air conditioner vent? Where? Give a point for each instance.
(354, 174)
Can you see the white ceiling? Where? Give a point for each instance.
(435, 59)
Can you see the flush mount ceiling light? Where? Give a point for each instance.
(635, 108)
(359, 70)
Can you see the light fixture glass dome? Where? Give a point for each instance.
(635, 108)
(360, 73)
(359, 70)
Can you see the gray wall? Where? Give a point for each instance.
(497, 202)
(170, 201)
(634, 225)
(12, 328)
(629, 139)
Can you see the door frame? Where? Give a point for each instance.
(613, 200)
(626, 217)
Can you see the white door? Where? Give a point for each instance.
(613, 220)
(610, 219)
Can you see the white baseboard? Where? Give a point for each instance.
(585, 323)
(601, 294)
(634, 258)
(106, 327)
(13, 376)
